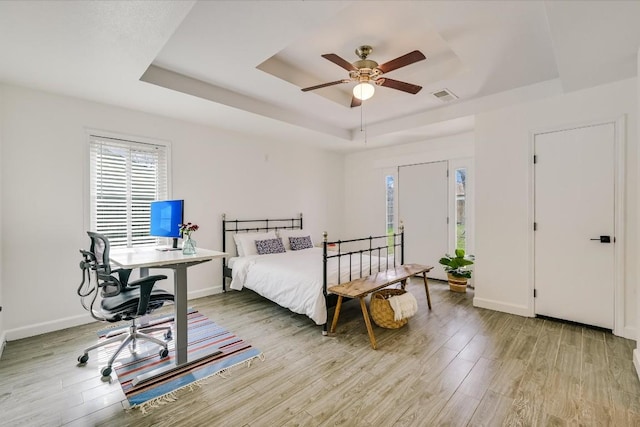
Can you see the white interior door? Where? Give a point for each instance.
(574, 206)
(422, 206)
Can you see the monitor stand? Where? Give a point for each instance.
(173, 247)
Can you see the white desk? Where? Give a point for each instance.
(146, 258)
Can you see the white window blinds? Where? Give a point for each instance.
(125, 177)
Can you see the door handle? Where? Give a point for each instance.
(603, 239)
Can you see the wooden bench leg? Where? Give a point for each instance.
(336, 314)
(403, 283)
(426, 288)
(365, 314)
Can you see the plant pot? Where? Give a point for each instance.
(457, 284)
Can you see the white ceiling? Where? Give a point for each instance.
(240, 65)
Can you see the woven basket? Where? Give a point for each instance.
(381, 311)
(457, 284)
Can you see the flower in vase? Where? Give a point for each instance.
(188, 228)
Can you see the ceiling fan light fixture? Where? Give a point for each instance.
(368, 74)
(363, 91)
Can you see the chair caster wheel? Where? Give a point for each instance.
(83, 358)
(106, 371)
(168, 336)
(164, 353)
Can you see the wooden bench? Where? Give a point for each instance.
(364, 286)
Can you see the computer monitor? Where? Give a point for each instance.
(166, 217)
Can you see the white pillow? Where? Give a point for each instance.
(246, 242)
(285, 234)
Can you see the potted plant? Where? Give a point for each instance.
(457, 270)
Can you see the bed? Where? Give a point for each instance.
(298, 276)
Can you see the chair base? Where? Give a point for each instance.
(130, 337)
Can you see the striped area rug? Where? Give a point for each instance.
(204, 337)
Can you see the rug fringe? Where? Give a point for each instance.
(156, 402)
(223, 372)
(171, 396)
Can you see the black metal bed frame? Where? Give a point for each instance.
(236, 226)
(372, 247)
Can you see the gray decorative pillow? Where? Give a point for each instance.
(269, 246)
(298, 243)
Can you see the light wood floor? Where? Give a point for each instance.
(456, 365)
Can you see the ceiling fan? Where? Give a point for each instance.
(368, 73)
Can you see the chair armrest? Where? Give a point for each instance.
(123, 275)
(146, 285)
(109, 285)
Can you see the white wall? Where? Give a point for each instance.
(503, 162)
(44, 214)
(636, 352)
(365, 201)
(2, 329)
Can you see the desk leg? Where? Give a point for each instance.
(180, 303)
(426, 288)
(365, 314)
(336, 314)
(180, 293)
(181, 332)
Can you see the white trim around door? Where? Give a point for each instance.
(619, 226)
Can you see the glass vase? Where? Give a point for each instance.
(189, 246)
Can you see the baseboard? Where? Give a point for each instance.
(636, 361)
(82, 319)
(3, 342)
(45, 327)
(629, 332)
(205, 292)
(520, 310)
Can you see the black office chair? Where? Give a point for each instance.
(121, 299)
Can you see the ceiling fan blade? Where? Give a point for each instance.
(337, 82)
(339, 61)
(396, 84)
(355, 102)
(402, 61)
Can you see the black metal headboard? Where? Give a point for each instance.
(235, 226)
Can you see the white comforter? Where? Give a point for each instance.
(294, 279)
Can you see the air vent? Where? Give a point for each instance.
(444, 95)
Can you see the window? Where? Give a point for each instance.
(390, 205)
(125, 177)
(461, 207)
(390, 187)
